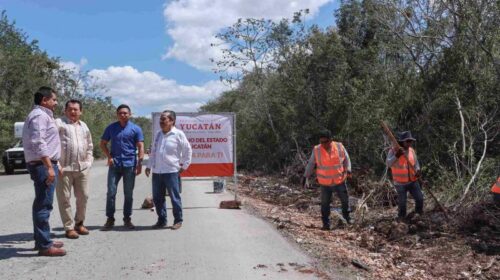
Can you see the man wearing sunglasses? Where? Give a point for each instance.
(405, 173)
(333, 167)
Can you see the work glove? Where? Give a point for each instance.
(400, 152)
(349, 174)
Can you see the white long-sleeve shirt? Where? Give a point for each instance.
(170, 151)
(40, 136)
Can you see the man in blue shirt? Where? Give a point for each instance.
(126, 138)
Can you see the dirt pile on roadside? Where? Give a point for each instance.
(376, 246)
(481, 228)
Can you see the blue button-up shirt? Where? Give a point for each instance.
(123, 142)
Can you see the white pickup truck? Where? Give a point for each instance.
(13, 158)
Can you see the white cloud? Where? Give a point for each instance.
(192, 24)
(72, 66)
(147, 91)
(73, 70)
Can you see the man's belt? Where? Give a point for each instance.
(39, 162)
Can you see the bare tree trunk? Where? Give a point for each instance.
(478, 167)
(270, 121)
(458, 173)
(303, 158)
(462, 130)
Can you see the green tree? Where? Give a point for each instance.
(427, 66)
(24, 67)
(147, 129)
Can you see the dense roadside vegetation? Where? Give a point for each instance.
(432, 67)
(24, 67)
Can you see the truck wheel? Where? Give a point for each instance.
(9, 169)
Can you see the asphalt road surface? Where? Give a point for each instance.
(213, 243)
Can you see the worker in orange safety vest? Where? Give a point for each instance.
(405, 173)
(495, 190)
(333, 167)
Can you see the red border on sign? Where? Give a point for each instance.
(209, 170)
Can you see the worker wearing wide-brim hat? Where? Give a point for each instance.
(405, 173)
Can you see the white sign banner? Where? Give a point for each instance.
(211, 138)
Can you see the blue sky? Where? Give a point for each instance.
(150, 54)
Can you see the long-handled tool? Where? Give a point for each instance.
(395, 145)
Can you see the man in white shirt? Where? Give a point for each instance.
(170, 155)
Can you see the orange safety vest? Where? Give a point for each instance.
(496, 187)
(330, 166)
(402, 173)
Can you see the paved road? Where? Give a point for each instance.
(212, 244)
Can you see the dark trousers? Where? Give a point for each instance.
(163, 183)
(326, 199)
(42, 205)
(416, 193)
(180, 183)
(496, 198)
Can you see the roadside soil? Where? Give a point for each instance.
(376, 246)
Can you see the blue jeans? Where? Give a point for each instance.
(42, 205)
(414, 189)
(161, 184)
(326, 199)
(115, 173)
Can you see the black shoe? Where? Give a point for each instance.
(159, 225)
(127, 222)
(110, 223)
(326, 227)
